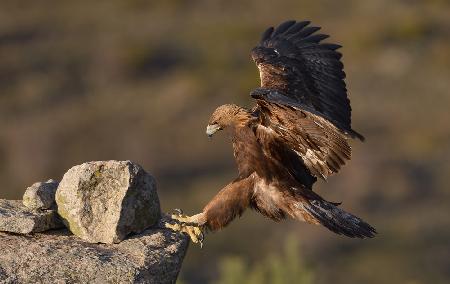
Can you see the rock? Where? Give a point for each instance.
(41, 195)
(106, 201)
(16, 218)
(154, 256)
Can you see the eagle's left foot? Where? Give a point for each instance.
(188, 225)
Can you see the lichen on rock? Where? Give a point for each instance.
(106, 201)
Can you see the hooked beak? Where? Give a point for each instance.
(211, 129)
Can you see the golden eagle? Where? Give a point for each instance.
(297, 132)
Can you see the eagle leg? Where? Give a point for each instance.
(190, 225)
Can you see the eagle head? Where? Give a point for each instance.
(224, 116)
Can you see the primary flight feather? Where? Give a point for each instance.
(298, 131)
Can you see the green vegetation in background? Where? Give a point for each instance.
(278, 268)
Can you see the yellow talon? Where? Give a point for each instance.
(185, 224)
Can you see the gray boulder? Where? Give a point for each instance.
(154, 256)
(106, 201)
(41, 195)
(16, 218)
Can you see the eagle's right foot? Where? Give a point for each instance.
(188, 225)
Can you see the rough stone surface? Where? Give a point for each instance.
(41, 195)
(106, 201)
(16, 218)
(155, 256)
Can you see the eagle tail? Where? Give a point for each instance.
(337, 220)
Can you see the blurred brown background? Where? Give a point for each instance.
(99, 80)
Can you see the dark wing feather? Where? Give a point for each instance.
(322, 147)
(293, 61)
(302, 104)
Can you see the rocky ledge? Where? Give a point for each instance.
(16, 218)
(154, 256)
(113, 230)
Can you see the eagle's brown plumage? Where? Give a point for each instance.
(297, 132)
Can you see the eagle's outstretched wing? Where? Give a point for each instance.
(303, 98)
